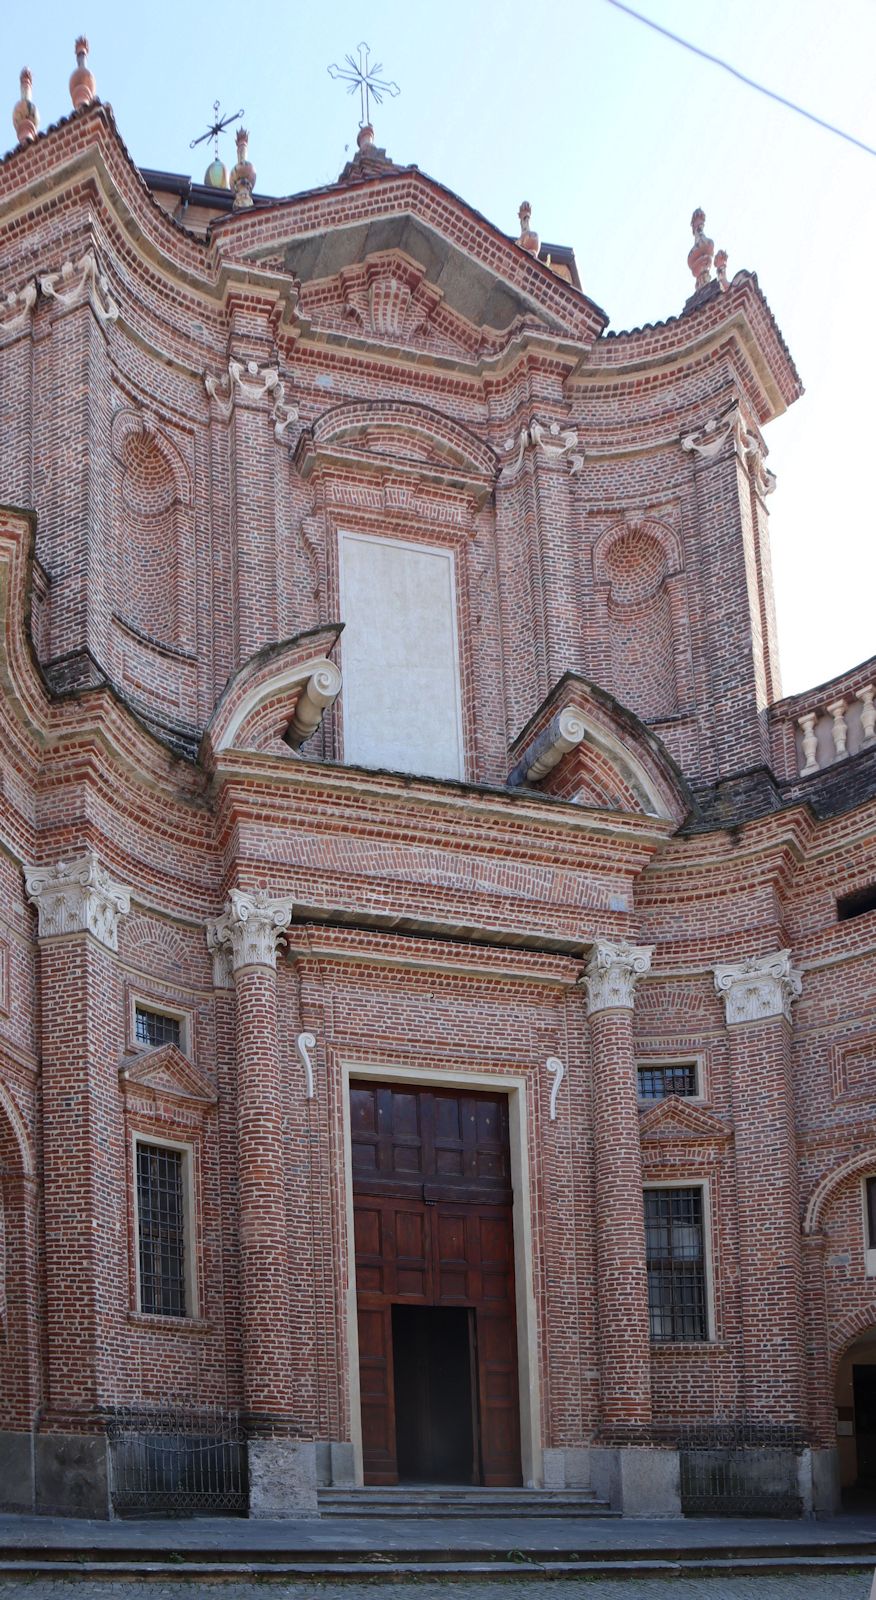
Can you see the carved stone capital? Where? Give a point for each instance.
(77, 897)
(758, 988)
(248, 934)
(612, 974)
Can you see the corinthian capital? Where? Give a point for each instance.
(77, 897)
(612, 974)
(758, 988)
(249, 932)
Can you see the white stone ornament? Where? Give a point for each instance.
(16, 309)
(612, 974)
(555, 1066)
(249, 380)
(304, 1044)
(77, 897)
(75, 280)
(708, 441)
(552, 442)
(758, 988)
(250, 930)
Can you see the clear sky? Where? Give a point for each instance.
(614, 135)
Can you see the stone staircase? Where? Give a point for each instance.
(440, 1500)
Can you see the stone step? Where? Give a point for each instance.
(414, 1501)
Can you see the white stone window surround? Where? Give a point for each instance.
(187, 1151)
(679, 1181)
(139, 999)
(869, 1233)
(398, 685)
(683, 1058)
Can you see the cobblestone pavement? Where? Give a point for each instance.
(817, 1586)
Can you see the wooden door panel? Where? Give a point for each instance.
(433, 1227)
(377, 1393)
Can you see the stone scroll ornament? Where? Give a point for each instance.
(305, 1043)
(248, 379)
(78, 279)
(555, 1067)
(552, 442)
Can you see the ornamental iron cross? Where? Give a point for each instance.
(217, 126)
(362, 76)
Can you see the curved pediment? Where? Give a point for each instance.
(381, 435)
(277, 699)
(582, 745)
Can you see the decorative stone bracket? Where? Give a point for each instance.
(758, 988)
(563, 733)
(612, 974)
(552, 442)
(248, 934)
(75, 280)
(707, 442)
(555, 1067)
(304, 1044)
(77, 897)
(249, 381)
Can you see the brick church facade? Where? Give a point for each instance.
(436, 965)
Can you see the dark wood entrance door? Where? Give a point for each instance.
(864, 1388)
(433, 1228)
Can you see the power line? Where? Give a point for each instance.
(749, 82)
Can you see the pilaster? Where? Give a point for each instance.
(758, 993)
(612, 974)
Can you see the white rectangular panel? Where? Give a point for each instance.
(400, 659)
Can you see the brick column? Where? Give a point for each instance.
(757, 995)
(622, 1285)
(82, 1027)
(282, 1473)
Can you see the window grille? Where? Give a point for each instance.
(161, 1230)
(674, 1248)
(661, 1079)
(155, 1028)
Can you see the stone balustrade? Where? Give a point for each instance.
(839, 728)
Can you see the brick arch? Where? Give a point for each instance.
(634, 561)
(845, 1333)
(16, 1155)
(865, 1161)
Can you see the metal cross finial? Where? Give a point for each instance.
(362, 76)
(216, 127)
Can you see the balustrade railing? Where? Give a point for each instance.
(838, 729)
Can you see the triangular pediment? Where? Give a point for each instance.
(676, 1118)
(167, 1072)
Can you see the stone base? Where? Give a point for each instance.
(334, 1464)
(16, 1473)
(282, 1478)
(637, 1480)
(567, 1468)
(820, 1482)
(72, 1475)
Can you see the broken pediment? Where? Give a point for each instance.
(277, 699)
(582, 745)
(401, 437)
(677, 1118)
(167, 1073)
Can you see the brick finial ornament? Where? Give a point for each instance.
(702, 250)
(25, 117)
(83, 88)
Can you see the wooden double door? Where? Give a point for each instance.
(432, 1204)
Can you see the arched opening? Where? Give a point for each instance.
(856, 1421)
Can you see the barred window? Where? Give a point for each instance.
(161, 1229)
(675, 1253)
(662, 1078)
(155, 1027)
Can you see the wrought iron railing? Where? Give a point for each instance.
(177, 1459)
(740, 1468)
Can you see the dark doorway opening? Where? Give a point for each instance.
(864, 1389)
(435, 1416)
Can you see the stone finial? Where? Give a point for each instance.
(527, 240)
(721, 269)
(365, 136)
(702, 250)
(25, 117)
(243, 175)
(83, 89)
